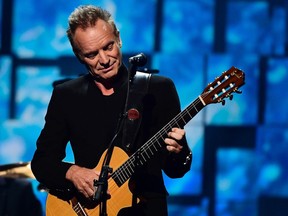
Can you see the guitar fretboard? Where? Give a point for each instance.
(155, 143)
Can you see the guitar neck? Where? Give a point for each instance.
(155, 143)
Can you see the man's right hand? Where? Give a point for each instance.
(83, 179)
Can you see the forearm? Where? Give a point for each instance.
(50, 172)
(177, 164)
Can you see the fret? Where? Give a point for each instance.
(159, 144)
(161, 134)
(126, 175)
(178, 124)
(195, 108)
(186, 116)
(144, 160)
(141, 158)
(188, 113)
(130, 173)
(173, 123)
(146, 152)
(155, 149)
(123, 174)
(121, 178)
(151, 150)
(184, 122)
(138, 155)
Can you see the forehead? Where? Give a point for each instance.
(94, 36)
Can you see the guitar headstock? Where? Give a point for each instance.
(224, 86)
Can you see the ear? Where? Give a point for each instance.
(119, 39)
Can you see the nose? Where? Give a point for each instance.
(103, 58)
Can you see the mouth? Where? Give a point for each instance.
(107, 69)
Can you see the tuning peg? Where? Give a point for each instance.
(231, 97)
(238, 91)
(223, 102)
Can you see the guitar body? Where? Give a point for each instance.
(120, 196)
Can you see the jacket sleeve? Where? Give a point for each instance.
(174, 165)
(47, 163)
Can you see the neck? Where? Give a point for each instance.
(108, 86)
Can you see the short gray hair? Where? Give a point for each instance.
(86, 16)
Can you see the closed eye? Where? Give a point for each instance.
(93, 54)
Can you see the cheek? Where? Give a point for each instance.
(90, 63)
(119, 56)
(92, 67)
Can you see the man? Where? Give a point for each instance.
(86, 110)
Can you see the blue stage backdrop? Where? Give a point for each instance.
(239, 150)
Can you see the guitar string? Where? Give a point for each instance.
(131, 161)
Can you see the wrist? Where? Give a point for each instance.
(70, 172)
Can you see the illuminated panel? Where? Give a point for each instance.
(34, 88)
(5, 65)
(248, 27)
(39, 34)
(276, 111)
(136, 22)
(278, 30)
(181, 210)
(1, 23)
(40, 29)
(188, 25)
(236, 182)
(187, 75)
(17, 141)
(272, 151)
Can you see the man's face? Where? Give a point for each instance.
(99, 49)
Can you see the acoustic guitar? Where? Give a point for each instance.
(222, 87)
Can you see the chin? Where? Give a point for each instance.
(110, 74)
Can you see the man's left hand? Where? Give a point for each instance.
(175, 135)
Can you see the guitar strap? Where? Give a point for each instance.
(138, 89)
